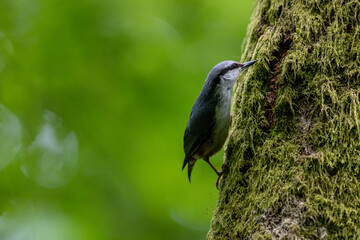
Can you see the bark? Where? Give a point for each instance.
(293, 154)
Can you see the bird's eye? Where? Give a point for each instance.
(234, 65)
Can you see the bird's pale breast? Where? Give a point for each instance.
(220, 132)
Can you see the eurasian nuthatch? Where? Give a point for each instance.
(209, 122)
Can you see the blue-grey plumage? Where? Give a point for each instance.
(209, 122)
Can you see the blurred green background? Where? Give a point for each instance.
(95, 96)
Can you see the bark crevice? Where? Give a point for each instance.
(275, 68)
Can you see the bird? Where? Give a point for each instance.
(210, 120)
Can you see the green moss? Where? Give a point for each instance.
(294, 148)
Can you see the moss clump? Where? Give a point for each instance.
(294, 149)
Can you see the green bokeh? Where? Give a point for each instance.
(122, 76)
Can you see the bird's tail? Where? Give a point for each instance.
(190, 162)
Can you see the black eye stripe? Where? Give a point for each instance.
(236, 65)
(231, 67)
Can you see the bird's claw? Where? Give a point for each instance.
(217, 182)
(224, 168)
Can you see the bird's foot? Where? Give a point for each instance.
(224, 168)
(217, 182)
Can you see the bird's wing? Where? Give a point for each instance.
(198, 129)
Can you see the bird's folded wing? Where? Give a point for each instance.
(199, 129)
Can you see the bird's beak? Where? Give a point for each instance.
(248, 64)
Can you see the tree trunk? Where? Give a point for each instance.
(293, 154)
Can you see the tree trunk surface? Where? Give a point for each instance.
(293, 153)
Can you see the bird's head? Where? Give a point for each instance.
(226, 73)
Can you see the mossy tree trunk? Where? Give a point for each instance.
(293, 153)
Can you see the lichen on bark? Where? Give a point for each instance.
(293, 154)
